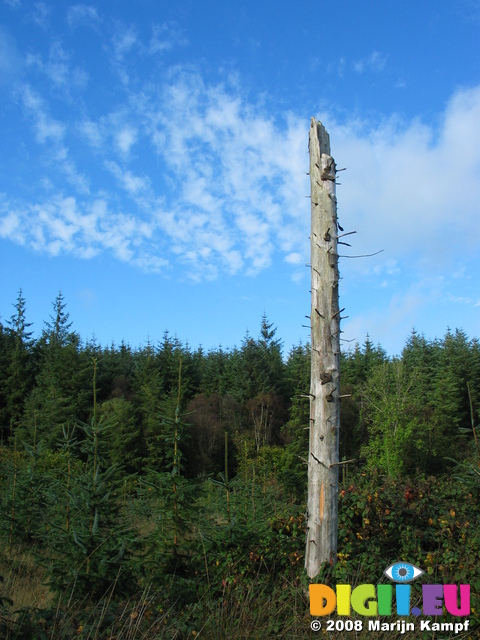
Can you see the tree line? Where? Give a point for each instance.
(399, 415)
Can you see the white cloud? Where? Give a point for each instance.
(82, 14)
(165, 37)
(294, 258)
(411, 189)
(221, 182)
(81, 228)
(92, 132)
(124, 40)
(375, 62)
(233, 162)
(40, 14)
(131, 183)
(58, 70)
(338, 67)
(125, 139)
(10, 64)
(10, 226)
(51, 134)
(46, 128)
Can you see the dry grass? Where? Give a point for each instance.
(23, 580)
(248, 613)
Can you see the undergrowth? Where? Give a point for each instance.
(244, 578)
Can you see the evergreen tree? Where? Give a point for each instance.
(61, 394)
(258, 366)
(207, 426)
(298, 376)
(90, 542)
(148, 401)
(171, 497)
(214, 379)
(19, 380)
(458, 361)
(116, 370)
(272, 358)
(5, 349)
(124, 438)
(356, 367)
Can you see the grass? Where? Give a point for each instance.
(23, 580)
(241, 611)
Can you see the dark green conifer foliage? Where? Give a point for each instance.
(170, 497)
(449, 398)
(271, 358)
(216, 377)
(148, 396)
(357, 365)
(457, 361)
(60, 396)
(256, 371)
(5, 342)
(296, 429)
(298, 377)
(124, 439)
(19, 380)
(168, 358)
(421, 356)
(116, 371)
(88, 537)
(474, 376)
(170, 354)
(24, 495)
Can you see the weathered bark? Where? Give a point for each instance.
(322, 503)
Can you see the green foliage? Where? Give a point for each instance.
(392, 427)
(89, 540)
(61, 394)
(214, 535)
(18, 345)
(246, 578)
(123, 436)
(170, 498)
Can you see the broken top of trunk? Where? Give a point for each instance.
(323, 137)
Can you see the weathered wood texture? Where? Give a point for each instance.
(322, 503)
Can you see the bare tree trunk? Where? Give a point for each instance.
(322, 503)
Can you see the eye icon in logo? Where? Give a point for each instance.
(402, 572)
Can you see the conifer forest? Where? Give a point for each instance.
(160, 491)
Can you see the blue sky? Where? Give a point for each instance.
(153, 162)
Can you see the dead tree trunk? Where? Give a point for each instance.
(322, 503)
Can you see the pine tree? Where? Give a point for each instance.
(272, 358)
(171, 499)
(5, 349)
(125, 445)
(215, 379)
(298, 376)
(19, 380)
(89, 539)
(60, 395)
(148, 396)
